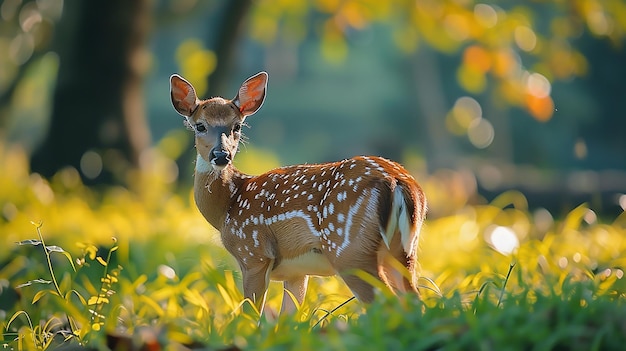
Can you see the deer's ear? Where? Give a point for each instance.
(251, 94)
(184, 98)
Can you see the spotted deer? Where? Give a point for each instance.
(360, 214)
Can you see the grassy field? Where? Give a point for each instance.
(125, 269)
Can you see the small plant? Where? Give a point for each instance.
(109, 277)
(73, 324)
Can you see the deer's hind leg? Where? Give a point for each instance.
(351, 266)
(396, 268)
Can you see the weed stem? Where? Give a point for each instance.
(54, 279)
(506, 280)
(332, 311)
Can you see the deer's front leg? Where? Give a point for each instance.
(297, 287)
(256, 281)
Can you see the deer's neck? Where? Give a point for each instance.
(214, 191)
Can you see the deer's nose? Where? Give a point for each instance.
(219, 158)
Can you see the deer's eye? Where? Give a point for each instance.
(200, 128)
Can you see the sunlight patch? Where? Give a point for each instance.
(502, 239)
(167, 271)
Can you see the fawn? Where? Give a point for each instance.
(364, 213)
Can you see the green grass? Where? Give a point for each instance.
(141, 266)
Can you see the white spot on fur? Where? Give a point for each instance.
(293, 214)
(255, 237)
(352, 211)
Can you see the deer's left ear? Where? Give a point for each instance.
(251, 94)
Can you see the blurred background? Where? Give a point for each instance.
(475, 97)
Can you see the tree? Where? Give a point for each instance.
(98, 123)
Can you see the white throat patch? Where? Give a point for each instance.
(202, 166)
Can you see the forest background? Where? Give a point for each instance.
(507, 105)
(507, 94)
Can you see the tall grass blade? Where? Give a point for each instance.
(506, 280)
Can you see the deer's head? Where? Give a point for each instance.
(217, 122)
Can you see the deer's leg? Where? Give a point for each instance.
(397, 270)
(366, 265)
(410, 281)
(297, 286)
(256, 281)
(359, 287)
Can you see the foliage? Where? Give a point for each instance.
(519, 48)
(82, 315)
(165, 280)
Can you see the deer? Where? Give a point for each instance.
(362, 214)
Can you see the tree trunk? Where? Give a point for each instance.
(441, 151)
(98, 121)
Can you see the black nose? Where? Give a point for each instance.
(219, 158)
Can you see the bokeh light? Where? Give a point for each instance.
(503, 239)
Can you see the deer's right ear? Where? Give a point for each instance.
(184, 98)
(251, 94)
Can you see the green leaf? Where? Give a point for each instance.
(29, 242)
(36, 281)
(80, 297)
(65, 253)
(66, 282)
(55, 248)
(17, 314)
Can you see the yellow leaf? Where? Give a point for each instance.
(226, 296)
(477, 57)
(471, 79)
(97, 300)
(102, 262)
(333, 44)
(194, 297)
(574, 218)
(41, 294)
(151, 305)
(91, 251)
(541, 108)
(92, 300)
